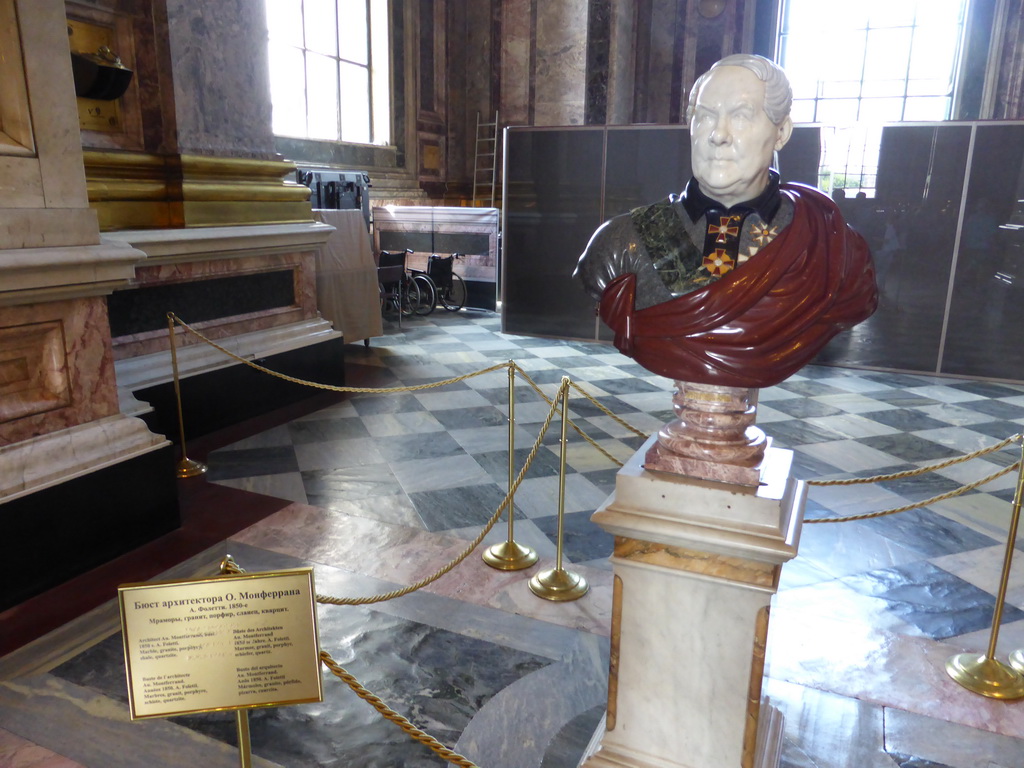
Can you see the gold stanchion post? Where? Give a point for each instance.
(244, 744)
(1017, 657)
(556, 583)
(509, 555)
(186, 466)
(983, 673)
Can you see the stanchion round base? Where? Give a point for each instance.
(559, 585)
(190, 468)
(1017, 660)
(509, 556)
(979, 674)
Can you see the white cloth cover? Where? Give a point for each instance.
(346, 276)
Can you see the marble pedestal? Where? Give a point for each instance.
(713, 436)
(696, 563)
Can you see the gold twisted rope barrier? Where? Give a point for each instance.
(516, 368)
(330, 387)
(329, 600)
(572, 423)
(917, 504)
(389, 714)
(229, 566)
(920, 470)
(846, 481)
(618, 419)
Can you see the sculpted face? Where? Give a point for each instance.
(732, 140)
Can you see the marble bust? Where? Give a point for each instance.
(738, 280)
(733, 284)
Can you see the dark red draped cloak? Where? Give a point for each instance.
(761, 322)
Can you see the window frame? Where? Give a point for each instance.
(378, 127)
(869, 29)
(851, 147)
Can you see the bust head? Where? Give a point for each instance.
(739, 117)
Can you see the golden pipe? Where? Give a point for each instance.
(244, 744)
(186, 467)
(983, 673)
(511, 444)
(1017, 657)
(509, 555)
(556, 583)
(564, 395)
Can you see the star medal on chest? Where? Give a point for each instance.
(761, 234)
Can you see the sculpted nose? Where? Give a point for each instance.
(720, 133)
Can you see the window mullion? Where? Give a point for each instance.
(863, 67)
(369, 69)
(906, 71)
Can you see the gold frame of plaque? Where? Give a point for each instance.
(180, 638)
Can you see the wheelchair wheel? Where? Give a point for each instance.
(453, 299)
(428, 294)
(410, 297)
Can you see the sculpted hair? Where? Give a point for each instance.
(778, 95)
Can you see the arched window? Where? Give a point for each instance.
(329, 69)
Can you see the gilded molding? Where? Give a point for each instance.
(724, 567)
(131, 190)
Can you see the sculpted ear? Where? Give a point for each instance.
(785, 131)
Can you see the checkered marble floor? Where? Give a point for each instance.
(922, 582)
(386, 488)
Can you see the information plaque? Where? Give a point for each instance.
(226, 642)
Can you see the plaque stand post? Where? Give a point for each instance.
(244, 743)
(695, 566)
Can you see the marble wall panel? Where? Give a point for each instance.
(221, 78)
(1010, 101)
(621, 64)
(459, 159)
(516, 70)
(79, 375)
(561, 63)
(662, 77)
(33, 370)
(599, 16)
(301, 263)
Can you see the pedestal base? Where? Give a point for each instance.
(696, 564)
(768, 755)
(660, 459)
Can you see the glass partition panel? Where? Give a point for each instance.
(911, 226)
(987, 305)
(644, 164)
(947, 237)
(552, 204)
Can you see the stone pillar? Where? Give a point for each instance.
(60, 421)
(696, 564)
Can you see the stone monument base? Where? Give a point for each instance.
(695, 566)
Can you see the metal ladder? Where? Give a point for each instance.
(485, 165)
